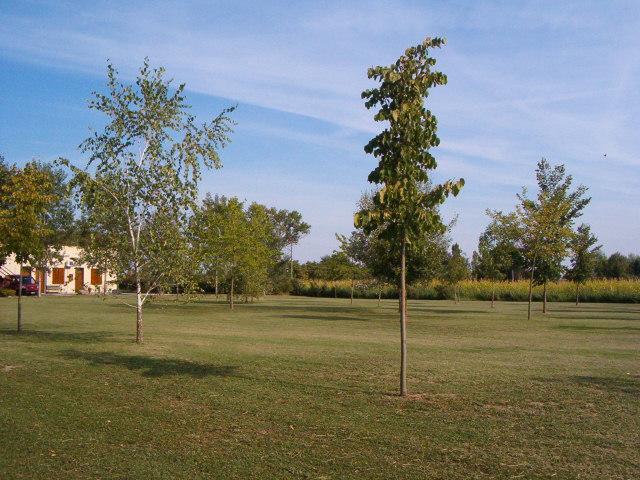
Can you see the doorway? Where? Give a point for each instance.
(79, 278)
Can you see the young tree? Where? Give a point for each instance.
(493, 258)
(556, 185)
(457, 269)
(288, 229)
(205, 232)
(27, 198)
(355, 250)
(556, 209)
(236, 243)
(584, 256)
(5, 202)
(541, 228)
(380, 257)
(147, 163)
(58, 216)
(401, 209)
(260, 254)
(541, 232)
(617, 266)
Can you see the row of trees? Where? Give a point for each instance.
(138, 214)
(136, 210)
(540, 234)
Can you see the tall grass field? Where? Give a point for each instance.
(600, 291)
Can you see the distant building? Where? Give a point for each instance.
(67, 275)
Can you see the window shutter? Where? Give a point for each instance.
(96, 276)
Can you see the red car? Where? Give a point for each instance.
(29, 284)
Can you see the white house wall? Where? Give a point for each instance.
(69, 263)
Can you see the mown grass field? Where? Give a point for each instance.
(294, 387)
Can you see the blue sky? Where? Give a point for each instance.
(526, 80)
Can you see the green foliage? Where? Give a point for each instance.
(497, 257)
(618, 265)
(457, 266)
(380, 256)
(548, 220)
(236, 244)
(584, 254)
(337, 266)
(35, 212)
(401, 209)
(288, 227)
(146, 162)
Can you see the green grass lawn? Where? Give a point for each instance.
(293, 387)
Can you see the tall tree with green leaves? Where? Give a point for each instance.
(235, 243)
(493, 258)
(288, 229)
(59, 216)
(260, 254)
(584, 256)
(556, 185)
(401, 209)
(146, 165)
(457, 269)
(5, 202)
(380, 257)
(27, 199)
(552, 216)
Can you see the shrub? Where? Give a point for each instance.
(7, 292)
(613, 291)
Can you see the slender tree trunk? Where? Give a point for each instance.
(335, 293)
(379, 295)
(352, 291)
(493, 296)
(403, 321)
(291, 261)
(577, 293)
(20, 300)
(39, 281)
(231, 293)
(216, 285)
(533, 269)
(139, 332)
(513, 275)
(544, 298)
(533, 266)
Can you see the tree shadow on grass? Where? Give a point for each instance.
(301, 316)
(444, 311)
(580, 328)
(38, 336)
(152, 367)
(629, 384)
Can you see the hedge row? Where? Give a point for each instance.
(611, 291)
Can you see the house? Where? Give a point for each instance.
(67, 275)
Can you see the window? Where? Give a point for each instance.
(58, 276)
(96, 276)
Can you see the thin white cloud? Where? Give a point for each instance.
(526, 79)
